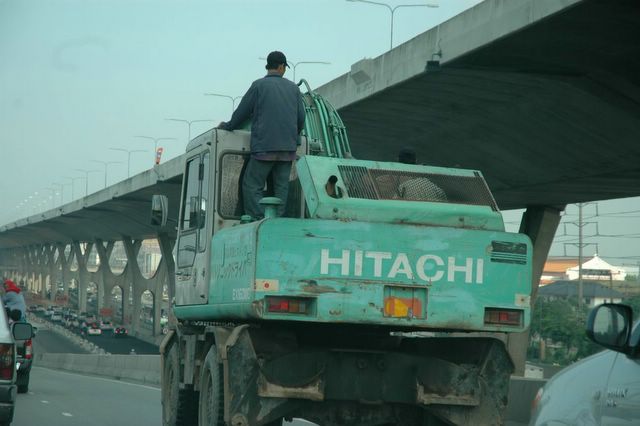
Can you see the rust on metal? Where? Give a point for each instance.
(314, 391)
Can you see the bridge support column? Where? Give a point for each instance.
(540, 224)
(35, 272)
(83, 274)
(167, 271)
(51, 268)
(63, 264)
(107, 278)
(134, 276)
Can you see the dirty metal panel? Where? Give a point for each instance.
(382, 273)
(348, 189)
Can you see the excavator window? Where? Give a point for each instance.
(230, 206)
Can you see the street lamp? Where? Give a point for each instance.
(73, 186)
(392, 9)
(155, 143)
(129, 152)
(52, 196)
(61, 185)
(295, 65)
(86, 178)
(189, 123)
(233, 99)
(105, 164)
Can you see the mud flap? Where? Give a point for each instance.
(478, 398)
(242, 404)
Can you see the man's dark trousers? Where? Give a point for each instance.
(254, 178)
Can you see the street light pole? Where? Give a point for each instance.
(129, 152)
(61, 185)
(295, 65)
(189, 123)
(393, 9)
(155, 143)
(233, 99)
(73, 186)
(86, 181)
(105, 164)
(52, 196)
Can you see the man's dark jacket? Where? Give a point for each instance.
(274, 105)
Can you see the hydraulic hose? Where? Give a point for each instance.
(324, 128)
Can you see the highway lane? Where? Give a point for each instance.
(47, 341)
(123, 345)
(65, 399)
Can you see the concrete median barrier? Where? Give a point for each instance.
(137, 368)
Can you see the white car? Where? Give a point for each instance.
(56, 317)
(603, 389)
(94, 330)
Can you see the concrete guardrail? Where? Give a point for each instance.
(137, 368)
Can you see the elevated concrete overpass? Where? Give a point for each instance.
(39, 250)
(542, 96)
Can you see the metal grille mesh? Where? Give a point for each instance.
(378, 184)
(358, 182)
(230, 200)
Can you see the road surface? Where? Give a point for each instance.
(66, 399)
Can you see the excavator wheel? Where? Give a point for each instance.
(179, 406)
(211, 412)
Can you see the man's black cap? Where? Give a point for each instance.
(276, 58)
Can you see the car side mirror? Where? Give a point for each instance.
(609, 325)
(159, 210)
(22, 331)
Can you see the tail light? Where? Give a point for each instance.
(289, 305)
(496, 316)
(28, 349)
(6, 361)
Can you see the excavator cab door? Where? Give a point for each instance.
(194, 228)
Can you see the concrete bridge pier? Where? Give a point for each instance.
(540, 224)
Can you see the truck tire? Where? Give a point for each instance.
(179, 406)
(23, 382)
(211, 391)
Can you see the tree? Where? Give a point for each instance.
(560, 321)
(634, 302)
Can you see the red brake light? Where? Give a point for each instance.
(290, 305)
(495, 316)
(6, 362)
(28, 349)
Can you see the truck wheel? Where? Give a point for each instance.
(211, 391)
(179, 406)
(23, 382)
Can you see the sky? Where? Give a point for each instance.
(79, 78)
